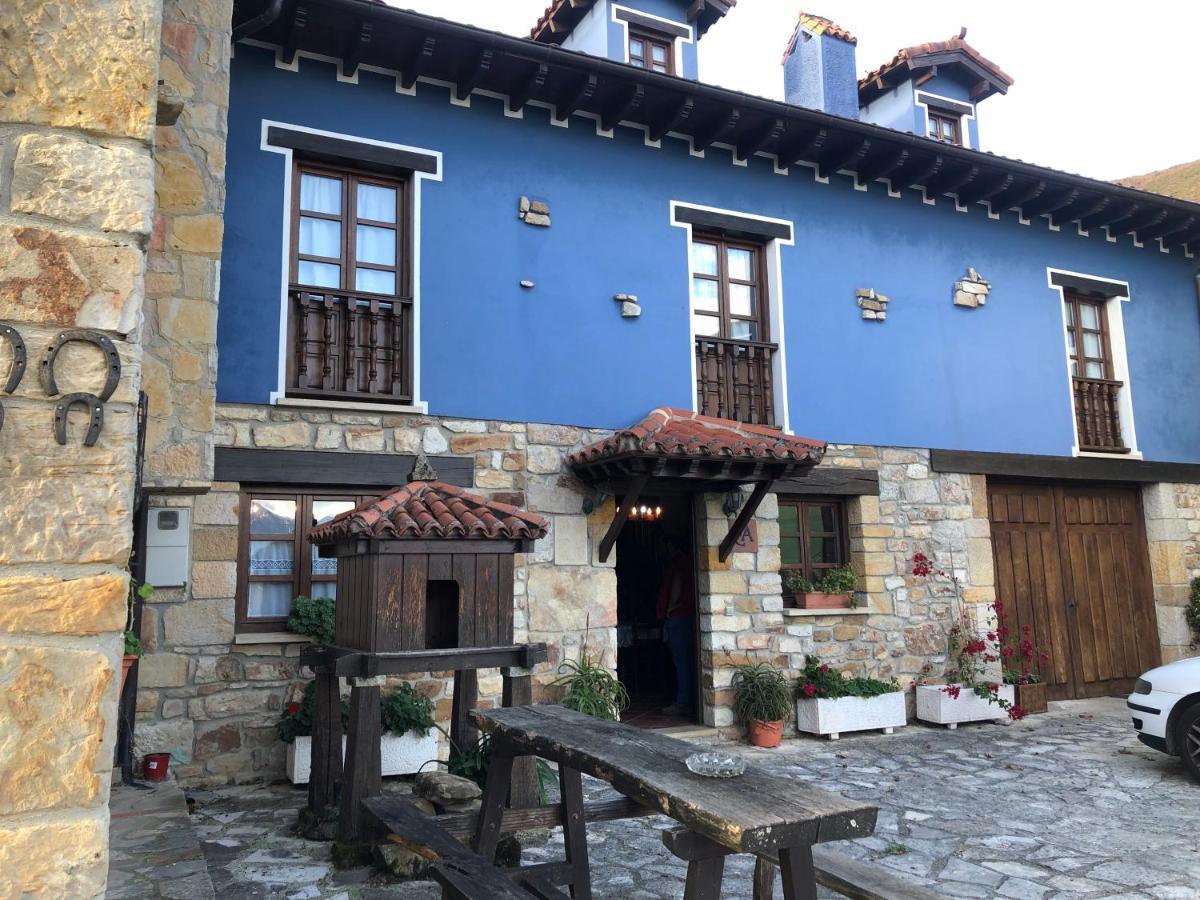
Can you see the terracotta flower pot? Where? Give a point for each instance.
(819, 600)
(126, 664)
(1032, 697)
(764, 734)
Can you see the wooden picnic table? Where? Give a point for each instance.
(773, 817)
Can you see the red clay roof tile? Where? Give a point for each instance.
(431, 509)
(678, 432)
(817, 25)
(910, 57)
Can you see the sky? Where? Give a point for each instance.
(1100, 88)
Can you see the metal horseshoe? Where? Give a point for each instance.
(94, 406)
(46, 375)
(16, 371)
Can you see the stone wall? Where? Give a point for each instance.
(183, 266)
(78, 91)
(1173, 530)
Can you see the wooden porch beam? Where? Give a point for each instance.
(743, 519)
(625, 102)
(671, 118)
(622, 516)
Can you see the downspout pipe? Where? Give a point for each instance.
(263, 20)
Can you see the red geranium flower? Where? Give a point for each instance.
(293, 708)
(809, 690)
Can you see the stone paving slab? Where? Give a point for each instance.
(153, 850)
(1064, 805)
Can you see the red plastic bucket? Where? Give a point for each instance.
(155, 766)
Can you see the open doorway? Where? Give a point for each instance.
(657, 637)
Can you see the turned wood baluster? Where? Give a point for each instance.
(373, 345)
(350, 361)
(302, 339)
(327, 343)
(397, 330)
(724, 394)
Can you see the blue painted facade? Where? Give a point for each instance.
(601, 33)
(933, 375)
(819, 73)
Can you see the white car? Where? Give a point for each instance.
(1165, 704)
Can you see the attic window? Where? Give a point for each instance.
(945, 126)
(651, 50)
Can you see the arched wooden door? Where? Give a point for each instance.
(1072, 562)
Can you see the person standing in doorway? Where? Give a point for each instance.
(676, 609)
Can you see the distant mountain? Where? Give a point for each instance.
(1182, 181)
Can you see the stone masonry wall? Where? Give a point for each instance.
(1173, 529)
(183, 267)
(211, 700)
(78, 88)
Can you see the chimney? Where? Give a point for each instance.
(819, 67)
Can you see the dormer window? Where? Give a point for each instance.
(648, 50)
(945, 127)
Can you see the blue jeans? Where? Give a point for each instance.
(680, 638)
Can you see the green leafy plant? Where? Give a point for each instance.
(133, 646)
(794, 582)
(760, 692)
(591, 688)
(821, 682)
(841, 580)
(296, 720)
(313, 617)
(1192, 611)
(405, 710)
(472, 761)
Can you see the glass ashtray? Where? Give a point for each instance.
(716, 765)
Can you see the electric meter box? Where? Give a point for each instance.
(168, 540)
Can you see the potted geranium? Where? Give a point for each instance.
(833, 590)
(761, 701)
(406, 725)
(968, 695)
(1020, 656)
(828, 702)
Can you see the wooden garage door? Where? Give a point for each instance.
(1071, 562)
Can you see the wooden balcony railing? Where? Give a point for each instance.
(1098, 415)
(734, 379)
(344, 346)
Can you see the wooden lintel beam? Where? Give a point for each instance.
(743, 518)
(948, 182)
(882, 167)
(622, 105)
(622, 516)
(671, 117)
(984, 190)
(578, 93)
(756, 140)
(359, 43)
(716, 128)
(420, 51)
(804, 149)
(523, 89)
(287, 53)
(849, 158)
(473, 71)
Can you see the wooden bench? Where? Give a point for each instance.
(836, 871)
(462, 874)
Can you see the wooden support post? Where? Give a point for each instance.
(799, 875)
(764, 879)
(491, 811)
(362, 778)
(744, 517)
(518, 691)
(463, 732)
(575, 832)
(325, 780)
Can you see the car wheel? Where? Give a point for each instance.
(1187, 739)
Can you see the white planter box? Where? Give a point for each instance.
(401, 755)
(935, 705)
(832, 717)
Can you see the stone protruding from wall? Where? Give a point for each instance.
(1173, 531)
(183, 266)
(79, 85)
(972, 291)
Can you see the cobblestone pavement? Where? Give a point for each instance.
(1065, 805)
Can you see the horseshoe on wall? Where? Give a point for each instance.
(46, 374)
(16, 371)
(94, 406)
